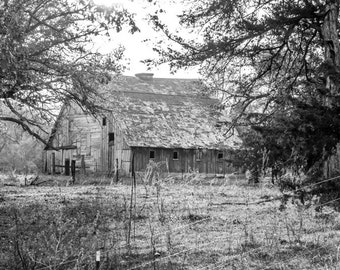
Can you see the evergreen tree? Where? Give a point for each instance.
(277, 63)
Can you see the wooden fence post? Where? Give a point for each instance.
(73, 170)
(117, 176)
(67, 166)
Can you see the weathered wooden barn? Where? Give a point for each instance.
(163, 120)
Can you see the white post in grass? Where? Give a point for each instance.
(97, 259)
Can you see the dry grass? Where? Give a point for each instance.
(184, 224)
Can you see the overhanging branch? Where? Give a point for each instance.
(26, 128)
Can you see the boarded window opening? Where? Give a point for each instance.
(111, 138)
(175, 155)
(152, 154)
(199, 154)
(220, 155)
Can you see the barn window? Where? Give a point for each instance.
(199, 154)
(220, 155)
(104, 121)
(175, 155)
(111, 138)
(152, 154)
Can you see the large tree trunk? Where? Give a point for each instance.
(329, 33)
(331, 41)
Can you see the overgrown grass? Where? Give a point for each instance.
(165, 224)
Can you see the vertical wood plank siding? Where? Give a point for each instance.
(85, 134)
(332, 164)
(118, 150)
(187, 160)
(78, 134)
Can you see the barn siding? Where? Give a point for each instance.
(332, 165)
(187, 160)
(118, 153)
(90, 138)
(81, 131)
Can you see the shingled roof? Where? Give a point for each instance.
(166, 113)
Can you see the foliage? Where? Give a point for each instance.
(277, 65)
(48, 58)
(18, 150)
(302, 138)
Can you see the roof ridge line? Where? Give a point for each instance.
(162, 94)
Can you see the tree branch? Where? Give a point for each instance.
(26, 128)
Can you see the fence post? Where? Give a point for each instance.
(117, 175)
(67, 166)
(73, 170)
(97, 259)
(53, 163)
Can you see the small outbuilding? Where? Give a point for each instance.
(143, 119)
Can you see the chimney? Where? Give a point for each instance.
(144, 76)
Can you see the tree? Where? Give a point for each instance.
(47, 58)
(19, 151)
(277, 63)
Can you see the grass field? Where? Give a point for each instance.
(183, 224)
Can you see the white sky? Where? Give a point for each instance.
(136, 48)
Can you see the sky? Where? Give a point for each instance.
(136, 48)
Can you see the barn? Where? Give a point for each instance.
(144, 119)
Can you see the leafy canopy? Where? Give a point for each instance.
(277, 66)
(48, 58)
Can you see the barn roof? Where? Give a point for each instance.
(167, 113)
